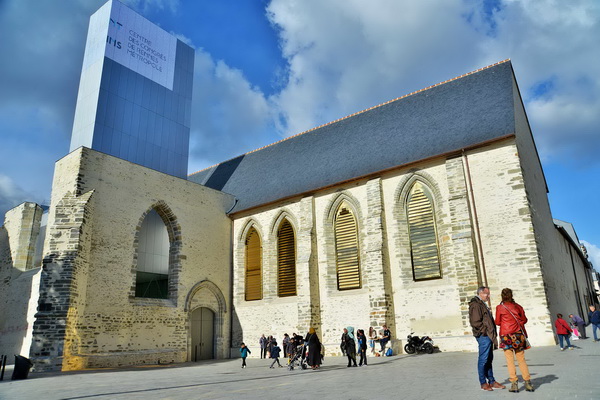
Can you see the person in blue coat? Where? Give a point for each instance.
(594, 318)
(244, 351)
(275, 350)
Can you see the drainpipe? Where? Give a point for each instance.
(475, 220)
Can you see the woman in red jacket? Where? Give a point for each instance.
(511, 318)
(563, 330)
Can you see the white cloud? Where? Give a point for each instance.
(11, 195)
(344, 58)
(593, 253)
(555, 53)
(229, 115)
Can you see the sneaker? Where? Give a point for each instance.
(571, 348)
(562, 348)
(497, 385)
(487, 387)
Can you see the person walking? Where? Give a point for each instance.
(563, 330)
(484, 330)
(263, 346)
(244, 351)
(314, 349)
(594, 318)
(349, 346)
(362, 347)
(275, 350)
(580, 324)
(511, 318)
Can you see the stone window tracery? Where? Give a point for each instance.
(346, 249)
(424, 249)
(152, 273)
(286, 260)
(253, 275)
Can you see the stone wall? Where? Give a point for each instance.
(19, 278)
(485, 235)
(89, 315)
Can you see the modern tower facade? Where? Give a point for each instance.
(135, 93)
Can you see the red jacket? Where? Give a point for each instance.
(562, 328)
(509, 324)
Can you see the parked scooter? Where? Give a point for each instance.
(417, 344)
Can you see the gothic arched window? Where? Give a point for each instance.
(424, 250)
(152, 273)
(253, 266)
(346, 249)
(286, 260)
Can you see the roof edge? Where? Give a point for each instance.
(358, 112)
(449, 154)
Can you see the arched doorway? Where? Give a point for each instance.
(203, 334)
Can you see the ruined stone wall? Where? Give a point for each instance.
(19, 278)
(103, 201)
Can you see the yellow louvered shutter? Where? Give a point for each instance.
(346, 249)
(286, 260)
(423, 238)
(253, 266)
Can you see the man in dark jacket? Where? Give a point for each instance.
(594, 318)
(484, 330)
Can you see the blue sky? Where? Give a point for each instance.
(265, 70)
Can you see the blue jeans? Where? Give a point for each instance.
(566, 337)
(484, 362)
(595, 327)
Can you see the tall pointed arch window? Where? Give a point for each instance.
(286, 260)
(152, 273)
(346, 249)
(253, 266)
(424, 249)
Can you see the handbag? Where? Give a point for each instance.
(527, 344)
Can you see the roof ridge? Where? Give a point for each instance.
(358, 112)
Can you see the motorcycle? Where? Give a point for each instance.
(416, 344)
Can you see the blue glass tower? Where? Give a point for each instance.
(135, 93)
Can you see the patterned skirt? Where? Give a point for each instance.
(516, 341)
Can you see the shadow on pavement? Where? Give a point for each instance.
(542, 380)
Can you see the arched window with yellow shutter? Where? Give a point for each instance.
(346, 249)
(424, 248)
(253, 266)
(286, 260)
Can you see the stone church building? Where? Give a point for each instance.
(393, 215)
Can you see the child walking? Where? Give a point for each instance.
(244, 351)
(275, 355)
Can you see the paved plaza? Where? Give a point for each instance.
(555, 375)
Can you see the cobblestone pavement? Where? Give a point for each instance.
(555, 375)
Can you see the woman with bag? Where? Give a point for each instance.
(563, 330)
(511, 318)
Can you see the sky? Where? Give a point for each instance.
(265, 70)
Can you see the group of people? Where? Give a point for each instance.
(511, 319)
(577, 327)
(352, 346)
(356, 345)
(290, 346)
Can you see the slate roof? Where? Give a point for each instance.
(446, 117)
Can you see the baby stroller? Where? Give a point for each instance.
(298, 359)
